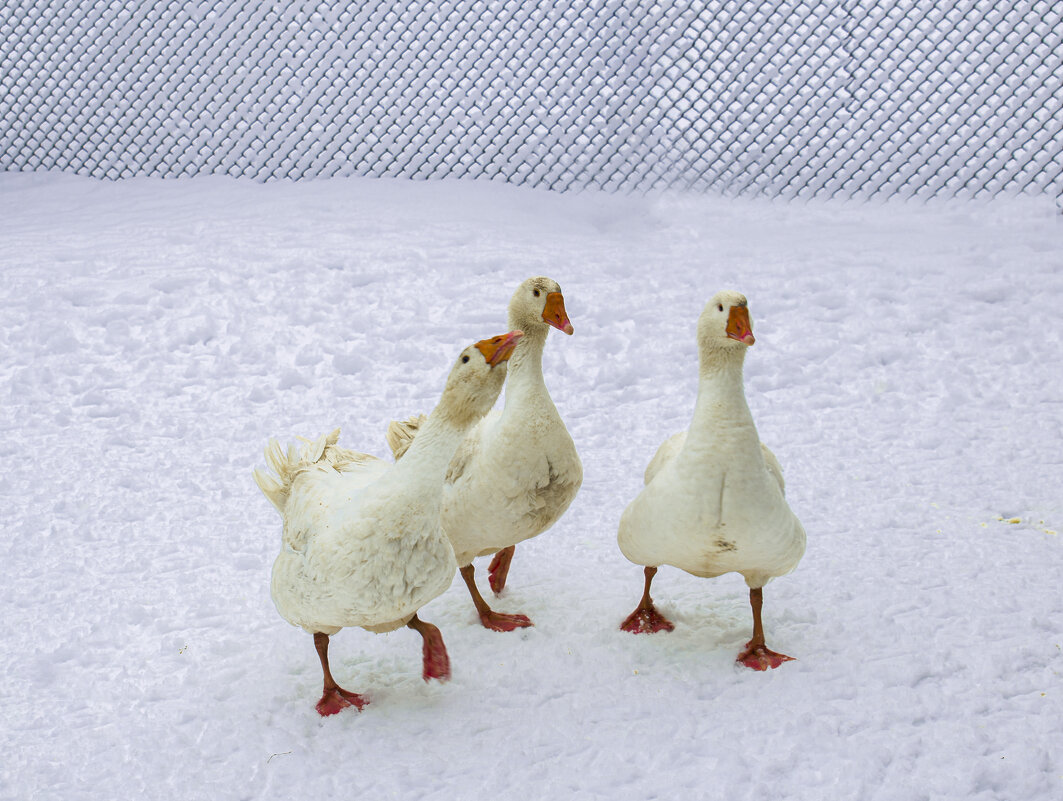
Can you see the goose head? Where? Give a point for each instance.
(536, 304)
(725, 324)
(476, 378)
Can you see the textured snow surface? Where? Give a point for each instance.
(908, 374)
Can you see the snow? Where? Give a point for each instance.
(908, 373)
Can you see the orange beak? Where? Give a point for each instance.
(554, 312)
(738, 325)
(498, 349)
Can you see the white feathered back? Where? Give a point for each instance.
(401, 433)
(286, 466)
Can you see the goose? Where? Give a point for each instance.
(714, 497)
(517, 470)
(362, 543)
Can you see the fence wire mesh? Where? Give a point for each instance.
(792, 98)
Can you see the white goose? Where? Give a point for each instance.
(714, 498)
(362, 542)
(517, 471)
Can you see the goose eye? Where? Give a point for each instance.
(464, 359)
(536, 292)
(719, 307)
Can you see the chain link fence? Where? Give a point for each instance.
(840, 98)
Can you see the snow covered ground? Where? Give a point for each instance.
(908, 372)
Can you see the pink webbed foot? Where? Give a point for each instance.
(498, 570)
(498, 621)
(760, 657)
(337, 699)
(433, 651)
(646, 620)
(436, 660)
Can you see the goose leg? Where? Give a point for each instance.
(499, 569)
(334, 698)
(757, 655)
(646, 619)
(496, 621)
(436, 661)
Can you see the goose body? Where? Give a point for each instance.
(362, 543)
(516, 472)
(712, 508)
(714, 496)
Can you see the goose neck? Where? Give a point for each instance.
(525, 372)
(425, 463)
(721, 394)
